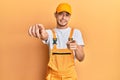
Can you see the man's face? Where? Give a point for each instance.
(62, 18)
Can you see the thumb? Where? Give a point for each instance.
(73, 41)
(40, 26)
(68, 42)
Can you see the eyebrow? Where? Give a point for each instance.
(65, 12)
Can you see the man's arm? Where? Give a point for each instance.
(79, 53)
(78, 49)
(38, 31)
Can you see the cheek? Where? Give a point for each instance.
(58, 18)
(68, 19)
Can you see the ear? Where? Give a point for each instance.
(55, 14)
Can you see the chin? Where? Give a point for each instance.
(62, 25)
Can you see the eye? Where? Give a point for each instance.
(67, 14)
(63, 13)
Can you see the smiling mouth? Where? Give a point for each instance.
(62, 20)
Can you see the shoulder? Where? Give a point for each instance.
(77, 31)
(49, 31)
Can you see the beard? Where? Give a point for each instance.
(62, 25)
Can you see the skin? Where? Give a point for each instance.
(62, 20)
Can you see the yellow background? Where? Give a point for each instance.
(24, 58)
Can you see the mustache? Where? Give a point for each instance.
(62, 19)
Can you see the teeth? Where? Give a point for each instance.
(62, 21)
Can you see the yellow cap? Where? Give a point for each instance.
(64, 7)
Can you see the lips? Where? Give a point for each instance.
(62, 20)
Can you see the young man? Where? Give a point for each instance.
(65, 45)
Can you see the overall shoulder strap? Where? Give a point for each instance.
(54, 39)
(71, 34)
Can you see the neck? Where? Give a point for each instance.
(62, 27)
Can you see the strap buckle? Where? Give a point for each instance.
(70, 39)
(54, 40)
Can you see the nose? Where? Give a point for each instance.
(64, 15)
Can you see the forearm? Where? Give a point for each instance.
(79, 53)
